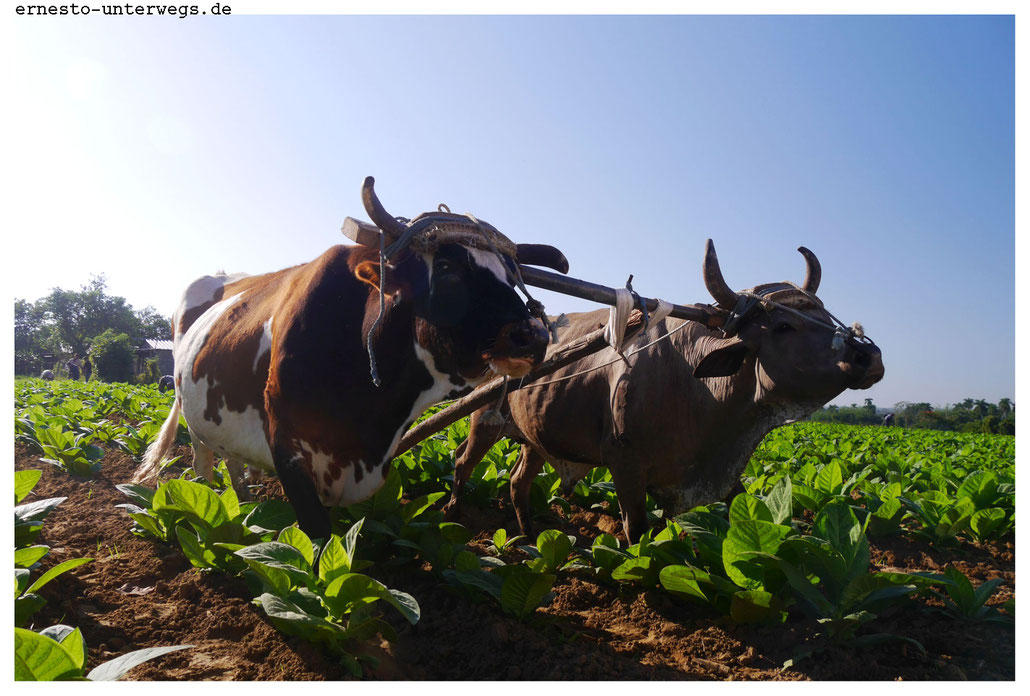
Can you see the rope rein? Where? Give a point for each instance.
(373, 368)
(535, 307)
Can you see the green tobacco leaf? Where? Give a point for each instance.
(606, 552)
(489, 582)
(829, 479)
(55, 571)
(348, 592)
(874, 588)
(291, 619)
(36, 511)
(26, 557)
(195, 501)
(277, 555)
(334, 560)
(270, 516)
(274, 579)
(500, 536)
(636, 569)
(419, 505)
(466, 560)
(686, 581)
(808, 497)
(39, 658)
(838, 524)
(404, 603)
(745, 538)
(748, 507)
(780, 501)
(25, 606)
(193, 549)
(985, 523)
(71, 640)
(24, 482)
(115, 669)
(522, 592)
(554, 547)
(141, 495)
(980, 487)
(756, 606)
(350, 541)
(231, 503)
(150, 524)
(455, 533)
(388, 498)
(300, 541)
(805, 590)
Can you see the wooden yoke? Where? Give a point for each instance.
(491, 391)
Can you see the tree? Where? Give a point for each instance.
(981, 407)
(113, 356)
(66, 321)
(152, 324)
(76, 317)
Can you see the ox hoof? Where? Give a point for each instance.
(451, 511)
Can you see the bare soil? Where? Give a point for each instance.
(139, 593)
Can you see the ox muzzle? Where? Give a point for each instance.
(520, 346)
(863, 364)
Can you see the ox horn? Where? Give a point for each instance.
(724, 296)
(542, 255)
(386, 222)
(814, 274)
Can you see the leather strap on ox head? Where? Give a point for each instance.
(741, 305)
(426, 233)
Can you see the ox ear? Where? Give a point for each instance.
(368, 272)
(724, 361)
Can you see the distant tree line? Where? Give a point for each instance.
(967, 416)
(88, 322)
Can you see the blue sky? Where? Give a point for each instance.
(156, 150)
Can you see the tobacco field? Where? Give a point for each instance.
(854, 553)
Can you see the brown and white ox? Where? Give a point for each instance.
(272, 371)
(685, 416)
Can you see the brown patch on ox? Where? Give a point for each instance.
(227, 358)
(327, 400)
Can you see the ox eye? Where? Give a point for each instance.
(782, 327)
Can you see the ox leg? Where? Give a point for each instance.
(630, 486)
(203, 459)
(236, 470)
(312, 516)
(469, 453)
(530, 464)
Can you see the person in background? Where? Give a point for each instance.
(73, 366)
(888, 419)
(87, 369)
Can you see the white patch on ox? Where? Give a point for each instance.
(347, 489)
(238, 435)
(442, 388)
(484, 259)
(265, 346)
(489, 261)
(201, 291)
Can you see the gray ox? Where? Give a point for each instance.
(683, 418)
